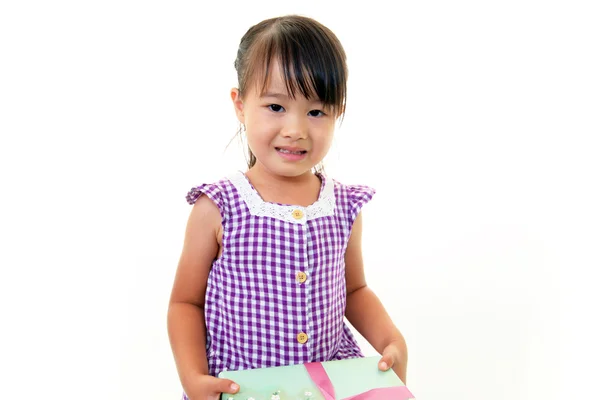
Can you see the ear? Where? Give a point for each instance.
(238, 104)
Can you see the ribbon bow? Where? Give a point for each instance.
(321, 379)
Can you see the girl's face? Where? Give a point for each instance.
(287, 136)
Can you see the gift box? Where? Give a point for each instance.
(351, 379)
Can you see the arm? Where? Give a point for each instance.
(185, 320)
(366, 312)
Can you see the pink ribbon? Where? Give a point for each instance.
(321, 379)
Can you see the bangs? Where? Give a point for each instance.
(312, 63)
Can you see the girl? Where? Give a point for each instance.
(272, 260)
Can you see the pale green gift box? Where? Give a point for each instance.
(356, 379)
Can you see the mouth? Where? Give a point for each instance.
(286, 150)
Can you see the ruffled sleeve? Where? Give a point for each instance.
(212, 191)
(358, 196)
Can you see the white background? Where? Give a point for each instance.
(477, 122)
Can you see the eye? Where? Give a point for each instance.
(316, 113)
(275, 108)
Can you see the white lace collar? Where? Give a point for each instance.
(324, 206)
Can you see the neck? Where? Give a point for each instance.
(261, 174)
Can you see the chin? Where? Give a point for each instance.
(291, 171)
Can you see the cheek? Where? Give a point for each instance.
(325, 137)
(260, 125)
(258, 139)
(255, 142)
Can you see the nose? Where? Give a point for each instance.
(295, 127)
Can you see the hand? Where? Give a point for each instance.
(395, 356)
(206, 387)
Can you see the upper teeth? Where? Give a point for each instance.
(293, 152)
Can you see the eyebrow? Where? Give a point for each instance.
(285, 96)
(275, 94)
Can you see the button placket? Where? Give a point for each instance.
(302, 278)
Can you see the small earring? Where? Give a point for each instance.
(243, 127)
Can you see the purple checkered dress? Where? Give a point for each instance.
(277, 294)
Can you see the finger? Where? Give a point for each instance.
(225, 386)
(386, 362)
(229, 386)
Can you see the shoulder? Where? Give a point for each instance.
(215, 191)
(350, 198)
(354, 190)
(216, 195)
(353, 193)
